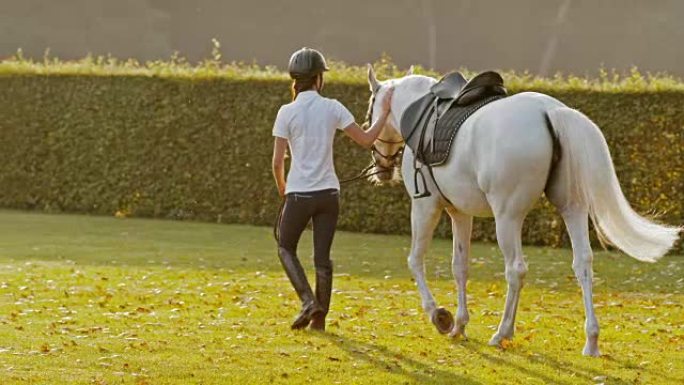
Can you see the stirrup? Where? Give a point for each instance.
(418, 194)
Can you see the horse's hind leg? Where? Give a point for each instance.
(576, 222)
(575, 213)
(508, 235)
(462, 225)
(425, 213)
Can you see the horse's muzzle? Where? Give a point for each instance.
(383, 175)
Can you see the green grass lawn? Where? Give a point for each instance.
(111, 301)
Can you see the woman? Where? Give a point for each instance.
(308, 126)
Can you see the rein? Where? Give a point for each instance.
(363, 174)
(391, 158)
(279, 217)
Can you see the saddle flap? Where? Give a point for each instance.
(414, 114)
(449, 86)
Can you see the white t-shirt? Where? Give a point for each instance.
(309, 124)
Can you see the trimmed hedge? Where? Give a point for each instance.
(196, 144)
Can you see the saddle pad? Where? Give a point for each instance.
(436, 149)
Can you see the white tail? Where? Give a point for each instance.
(595, 183)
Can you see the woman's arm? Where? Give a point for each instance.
(279, 149)
(367, 137)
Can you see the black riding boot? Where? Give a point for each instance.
(297, 276)
(324, 280)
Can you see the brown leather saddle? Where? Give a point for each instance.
(429, 125)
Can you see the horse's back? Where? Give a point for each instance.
(504, 150)
(519, 114)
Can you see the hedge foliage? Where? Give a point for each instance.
(174, 140)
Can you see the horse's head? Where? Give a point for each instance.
(388, 148)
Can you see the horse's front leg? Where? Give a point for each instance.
(461, 225)
(425, 213)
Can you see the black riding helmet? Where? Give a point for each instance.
(306, 63)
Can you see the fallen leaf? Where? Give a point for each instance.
(506, 344)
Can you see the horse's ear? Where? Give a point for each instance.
(372, 80)
(410, 71)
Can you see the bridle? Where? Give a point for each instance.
(392, 159)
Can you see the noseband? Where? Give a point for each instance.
(393, 159)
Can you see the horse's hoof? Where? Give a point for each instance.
(498, 340)
(591, 351)
(458, 332)
(443, 320)
(495, 340)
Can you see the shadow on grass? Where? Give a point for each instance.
(565, 369)
(397, 363)
(631, 365)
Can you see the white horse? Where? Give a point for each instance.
(500, 164)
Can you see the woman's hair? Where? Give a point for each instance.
(304, 84)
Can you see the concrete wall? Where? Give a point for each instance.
(542, 36)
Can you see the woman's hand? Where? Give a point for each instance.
(281, 190)
(367, 137)
(387, 101)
